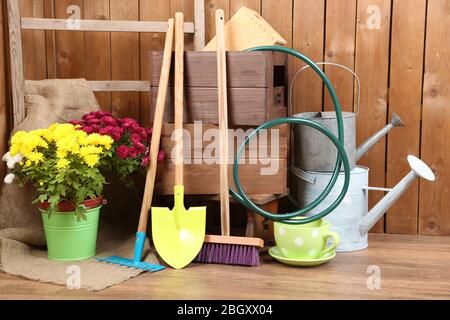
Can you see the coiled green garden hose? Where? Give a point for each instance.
(342, 159)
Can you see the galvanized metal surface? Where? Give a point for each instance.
(351, 219)
(418, 169)
(314, 152)
(348, 216)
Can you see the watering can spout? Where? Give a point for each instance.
(369, 143)
(418, 169)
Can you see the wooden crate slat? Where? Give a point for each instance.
(198, 141)
(208, 181)
(246, 105)
(245, 69)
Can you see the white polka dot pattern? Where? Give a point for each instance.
(299, 242)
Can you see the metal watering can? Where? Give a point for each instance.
(314, 152)
(352, 219)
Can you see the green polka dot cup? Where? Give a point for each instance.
(306, 241)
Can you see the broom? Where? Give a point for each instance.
(225, 249)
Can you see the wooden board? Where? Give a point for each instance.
(340, 48)
(405, 274)
(152, 10)
(210, 17)
(279, 16)
(197, 139)
(69, 45)
(100, 25)
(187, 7)
(50, 40)
(4, 114)
(247, 106)
(434, 217)
(245, 69)
(372, 52)
(70, 57)
(16, 61)
(254, 5)
(98, 49)
(125, 59)
(245, 30)
(35, 65)
(405, 99)
(204, 178)
(308, 38)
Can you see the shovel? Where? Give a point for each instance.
(178, 234)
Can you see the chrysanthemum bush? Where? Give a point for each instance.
(62, 162)
(130, 150)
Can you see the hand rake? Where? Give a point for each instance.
(137, 262)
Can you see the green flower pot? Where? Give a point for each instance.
(69, 239)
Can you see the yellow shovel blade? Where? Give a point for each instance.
(178, 234)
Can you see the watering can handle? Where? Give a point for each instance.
(358, 98)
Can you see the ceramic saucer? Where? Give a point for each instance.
(275, 253)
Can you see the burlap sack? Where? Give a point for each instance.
(22, 240)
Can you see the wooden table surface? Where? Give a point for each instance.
(412, 267)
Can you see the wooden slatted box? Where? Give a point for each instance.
(201, 174)
(256, 87)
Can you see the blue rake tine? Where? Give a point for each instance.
(132, 264)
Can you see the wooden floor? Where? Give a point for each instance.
(413, 267)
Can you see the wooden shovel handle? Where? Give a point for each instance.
(157, 126)
(223, 123)
(179, 97)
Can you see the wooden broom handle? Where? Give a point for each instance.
(223, 123)
(157, 126)
(179, 97)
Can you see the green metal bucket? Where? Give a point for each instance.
(69, 239)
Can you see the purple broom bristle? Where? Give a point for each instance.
(229, 254)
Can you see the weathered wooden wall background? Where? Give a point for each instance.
(399, 48)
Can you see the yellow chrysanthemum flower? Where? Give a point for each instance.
(27, 142)
(87, 150)
(61, 154)
(68, 144)
(99, 140)
(80, 135)
(35, 157)
(63, 163)
(91, 160)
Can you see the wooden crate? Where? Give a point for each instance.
(201, 174)
(256, 82)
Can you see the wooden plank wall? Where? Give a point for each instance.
(4, 114)
(399, 48)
